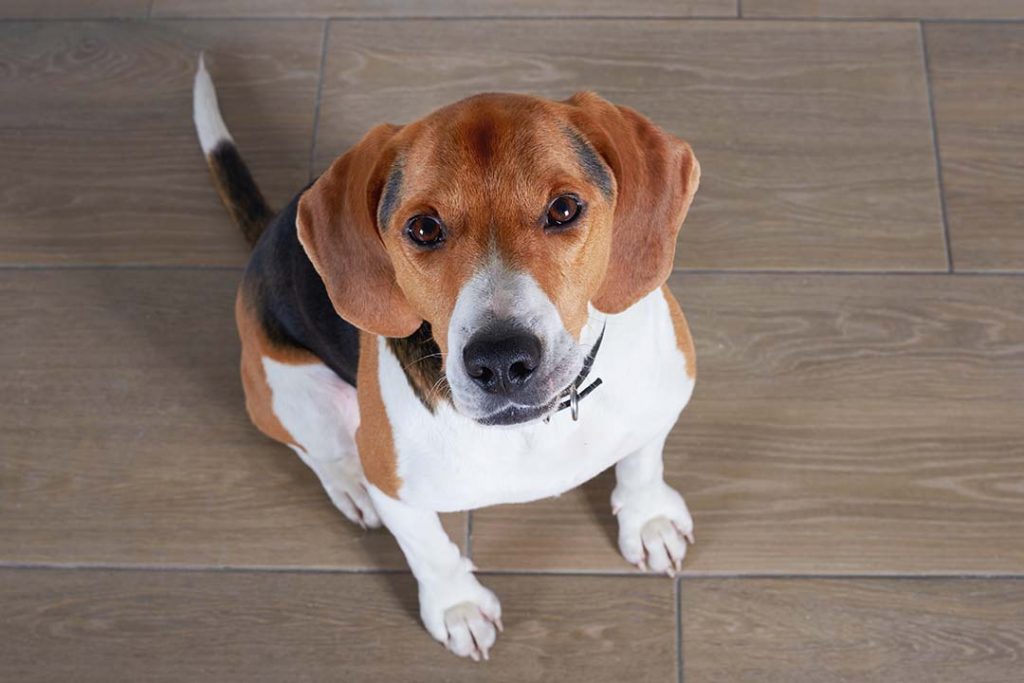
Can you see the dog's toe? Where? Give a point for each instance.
(654, 530)
(664, 545)
(463, 615)
(471, 633)
(351, 498)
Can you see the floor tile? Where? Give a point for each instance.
(814, 138)
(113, 626)
(913, 631)
(840, 423)
(101, 161)
(979, 108)
(126, 439)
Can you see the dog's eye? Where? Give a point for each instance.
(563, 211)
(425, 231)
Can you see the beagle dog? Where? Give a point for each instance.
(470, 310)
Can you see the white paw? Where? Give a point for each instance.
(463, 615)
(343, 481)
(654, 528)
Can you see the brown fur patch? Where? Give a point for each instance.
(374, 438)
(258, 394)
(682, 330)
(420, 358)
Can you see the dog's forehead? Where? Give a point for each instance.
(492, 138)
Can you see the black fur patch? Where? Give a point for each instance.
(239, 191)
(595, 168)
(292, 302)
(390, 197)
(420, 358)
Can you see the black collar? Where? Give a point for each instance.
(573, 393)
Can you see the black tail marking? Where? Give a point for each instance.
(238, 191)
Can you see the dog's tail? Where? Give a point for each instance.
(231, 176)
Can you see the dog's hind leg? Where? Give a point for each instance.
(294, 398)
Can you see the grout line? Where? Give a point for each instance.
(426, 18)
(680, 669)
(513, 17)
(469, 534)
(149, 10)
(317, 97)
(625, 574)
(739, 15)
(943, 208)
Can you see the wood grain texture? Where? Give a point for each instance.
(814, 138)
(73, 9)
(111, 626)
(886, 9)
(443, 8)
(861, 424)
(125, 438)
(979, 108)
(101, 163)
(912, 631)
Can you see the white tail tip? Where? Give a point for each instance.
(205, 111)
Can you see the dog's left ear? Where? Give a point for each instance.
(656, 176)
(337, 226)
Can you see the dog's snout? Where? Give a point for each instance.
(504, 363)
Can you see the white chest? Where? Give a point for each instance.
(447, 462)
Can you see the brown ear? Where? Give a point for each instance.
(656, 176)
(337, 225)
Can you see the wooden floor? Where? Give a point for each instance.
(853, 271)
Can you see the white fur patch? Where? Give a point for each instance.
(206, 112)
(449, 462)
(320, 411)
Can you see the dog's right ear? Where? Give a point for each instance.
(337, 226)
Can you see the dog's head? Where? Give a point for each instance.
(500, 220)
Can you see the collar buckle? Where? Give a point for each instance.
(575, 395)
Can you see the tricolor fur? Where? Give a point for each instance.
(412, 320)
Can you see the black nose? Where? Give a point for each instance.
(502, 364)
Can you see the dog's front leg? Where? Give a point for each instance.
(455, 608)
(654, 523)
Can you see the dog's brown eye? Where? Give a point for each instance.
(563, 211)
(425, 231)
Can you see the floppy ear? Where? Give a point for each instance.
(337, 226)
(656, 176)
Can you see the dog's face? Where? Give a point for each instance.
(499, 220)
